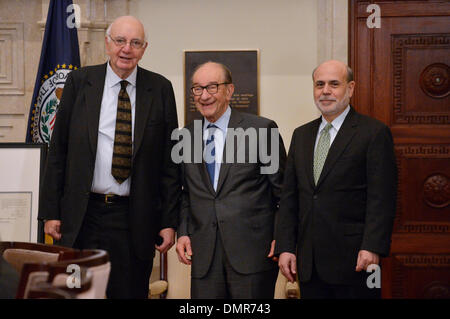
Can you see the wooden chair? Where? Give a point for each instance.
(285, 289)
(170, 276)
(28, 259)
(60, 289)
(19, 253)
(95, 260)
(170, 279)
(158, 280)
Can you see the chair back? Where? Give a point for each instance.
(95, 260)
(59, 287)
(28, 259)
(18, 253)
(158, 284)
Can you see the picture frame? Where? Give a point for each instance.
(21, 168)
(244, 67)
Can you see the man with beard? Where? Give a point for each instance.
(338, 202)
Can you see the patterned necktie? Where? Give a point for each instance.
(210, 150)
(320, 155)
(121, 161)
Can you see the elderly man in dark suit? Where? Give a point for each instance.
(229, 200)
(109, 181)
(339, 194)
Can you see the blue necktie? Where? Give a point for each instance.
(211, 166)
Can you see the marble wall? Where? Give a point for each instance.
(22, 24)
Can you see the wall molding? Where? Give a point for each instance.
(11, 59)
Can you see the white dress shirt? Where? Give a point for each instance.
(336, 125)
(220, 135)
(103, 182)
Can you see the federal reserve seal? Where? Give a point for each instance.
(46, 103)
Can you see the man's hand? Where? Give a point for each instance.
(288, 266)
(183, 248)
(272, 249)
(168, 236)
(52, 228)
(366, 258)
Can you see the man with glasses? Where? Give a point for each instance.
(228, 207)
(110, 183)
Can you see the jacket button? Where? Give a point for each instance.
(315, 196)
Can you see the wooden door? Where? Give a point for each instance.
(402, 73)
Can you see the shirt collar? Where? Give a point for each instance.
(337, 122)
(222, 122)
(113, 79)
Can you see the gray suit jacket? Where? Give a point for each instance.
(243, 208)
(155, 184)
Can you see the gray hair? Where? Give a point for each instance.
(108, 32)
(226, 71)
(349, 73)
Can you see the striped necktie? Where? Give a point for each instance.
(320, 155)
(211, 153)
(121, 161)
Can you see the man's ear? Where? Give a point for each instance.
(107, 44)
(351, 88)
(230, 90)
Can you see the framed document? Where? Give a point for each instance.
(21, 168)
(244, 67)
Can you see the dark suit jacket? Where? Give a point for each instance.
(9, 280)
(351, 208)
(155, 185)
(243, 208)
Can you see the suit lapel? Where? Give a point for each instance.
(235, 121)
(344, 136)
(93, 96)
(144, 100)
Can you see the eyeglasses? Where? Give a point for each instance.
(210, 88)
(121, 42)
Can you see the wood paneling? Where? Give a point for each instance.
(402, 73)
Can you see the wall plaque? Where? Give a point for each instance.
(244, 67)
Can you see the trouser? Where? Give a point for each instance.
(223, 282)
(105, 226)
(316, 288)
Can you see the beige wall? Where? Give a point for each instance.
(292, 36)
(22, 25)
(284, 31)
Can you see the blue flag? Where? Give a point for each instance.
(59, 56)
